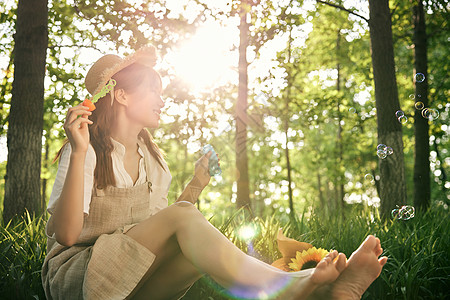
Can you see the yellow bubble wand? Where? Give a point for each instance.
(105, 90)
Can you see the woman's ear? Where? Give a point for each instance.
(121, 97)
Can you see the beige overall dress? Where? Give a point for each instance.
(105, 263)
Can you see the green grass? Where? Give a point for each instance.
(22, 252)
(418, 265)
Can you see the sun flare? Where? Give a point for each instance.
(206, 60)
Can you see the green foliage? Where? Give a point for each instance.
(22, 252)
(418, 265)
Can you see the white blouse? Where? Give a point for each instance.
(123, 179)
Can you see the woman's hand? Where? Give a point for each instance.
(201, 172)
(76, 128)
(202, 169)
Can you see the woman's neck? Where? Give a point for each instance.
(125, 132)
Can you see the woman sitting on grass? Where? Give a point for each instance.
(112, 235)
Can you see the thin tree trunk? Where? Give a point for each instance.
(289, 169)
(392, 180)
(22, 186)
(340, 183)
(243, 190)
(286, 129)
(443, 176)
(421, 127)
(324, 209)
(44, 181)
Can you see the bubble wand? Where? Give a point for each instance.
(105, 90)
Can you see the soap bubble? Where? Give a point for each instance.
(382, 147)
(394, 213)
(426, 113)
(434, 114)
(412, 96)
(419, 105)
(399, 113)
(369, 177)
(381, 154)
(352, 110)
(406, 212)
(420, 77)
(403, 119)
(383, 151)
(389, 151)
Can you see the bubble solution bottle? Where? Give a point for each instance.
(213, 164)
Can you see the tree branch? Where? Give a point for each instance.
(343, 8)
(72, 46)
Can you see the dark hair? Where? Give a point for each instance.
(129, 79)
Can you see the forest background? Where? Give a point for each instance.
(299, 138)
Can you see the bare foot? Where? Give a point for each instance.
(306, 281)
(363, 267)
(329, 268)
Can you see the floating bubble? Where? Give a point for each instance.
(382, 147)
(394, 213)
(399, 113)
(389, 151)
(420, 77)
(419, 105)
(419, 96)
(412, 96)
(352, 110)
(406, 212)
(426, 113)
(369, 177)
(403, 119)
(382, 154)
(434, 114)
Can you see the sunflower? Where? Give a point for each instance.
(297, 255)
(307, 258)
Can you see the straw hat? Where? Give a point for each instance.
(104, 68)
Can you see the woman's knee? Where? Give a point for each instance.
(183, 212)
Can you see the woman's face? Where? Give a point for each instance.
(144, 104)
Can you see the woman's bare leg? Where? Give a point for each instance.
(169, 280)
(212, 253)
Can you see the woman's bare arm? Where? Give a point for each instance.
(198, 182)
(68, 217)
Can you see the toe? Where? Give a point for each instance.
(333, 254)
(322, 264)
(383, 260)
(341, 262)
(378, 251)
(369, 244)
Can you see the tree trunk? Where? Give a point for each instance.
(288, 166)
(421, 128)
(286, 129)
(45, 180)
(243, 190)
(340, 177)
(392, 181)
(443, 176)
(22, 186)
(324, 209)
